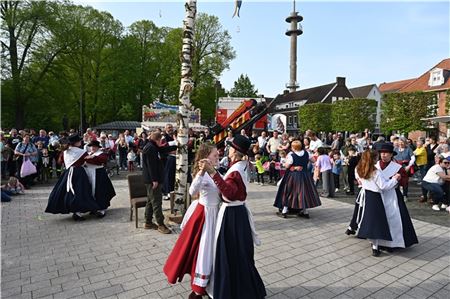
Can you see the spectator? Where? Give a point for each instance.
(315, 142)
(421, 158)
(26, 150)
(122, 148)
(259, 169)
(324, 166)
(353, 160)
(262, 142)
(434, 182)
(431, 147)
(273, 144)
(131, 157)
(406, 158)
(337, 170)
(42, 138)
(14, 187)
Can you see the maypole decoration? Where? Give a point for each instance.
(186, 87)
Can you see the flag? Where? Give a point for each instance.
(237, 7)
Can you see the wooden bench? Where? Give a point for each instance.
(138, 194)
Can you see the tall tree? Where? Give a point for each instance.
(24, 28)
(316, 117)
(243, 88)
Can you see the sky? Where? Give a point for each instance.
(365, 42)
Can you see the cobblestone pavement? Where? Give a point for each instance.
(51, 256)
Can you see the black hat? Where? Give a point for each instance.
(74, 138)
(240, 143)
(386, 147)
(94, 143)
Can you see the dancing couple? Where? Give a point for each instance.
(216, 245)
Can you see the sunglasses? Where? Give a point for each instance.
(446, 162)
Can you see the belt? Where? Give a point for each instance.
(296, 168)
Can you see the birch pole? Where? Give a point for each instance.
(184, 110)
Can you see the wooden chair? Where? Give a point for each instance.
(138, 194)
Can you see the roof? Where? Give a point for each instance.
(313, 95)
(119, 125)
(361, 91)
(394, 86)
(421, 83)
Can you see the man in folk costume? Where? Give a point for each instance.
(400, 225)
(72, 193)
(234, 272)
(102, 188)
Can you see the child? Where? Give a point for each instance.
(337, 169)
(353, 160)
(323, 165)
(282, 162)
(14, 186)
(131, 157)
(273, 171)
(45, 166)
(259, 169)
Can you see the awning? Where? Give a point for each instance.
(438, 119)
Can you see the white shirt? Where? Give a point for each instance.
(315, 144)
(432, 177)
(262, 141)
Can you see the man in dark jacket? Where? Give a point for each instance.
(153, 172)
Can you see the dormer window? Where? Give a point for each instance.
(436, 77)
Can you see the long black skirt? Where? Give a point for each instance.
(62, 202)
(374, 224)
(409, 233)
(104, 189)
(235, 274)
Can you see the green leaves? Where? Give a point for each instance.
(243, 88)
(403, 111)
(353, 115)
(316, 117)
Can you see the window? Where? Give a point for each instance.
(333, 99)
(436, 77)
(340, 99)
(295, 121)
(290, 120)
(287, 106)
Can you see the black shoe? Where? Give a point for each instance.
(388, 249)
(78, 218)
(349, 232)
(376, 252)
(282, 215)
(350, 193)
(302, 215)
(100, 214)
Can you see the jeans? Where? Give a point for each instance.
(6, 196)
(154, 204)
(437, 192)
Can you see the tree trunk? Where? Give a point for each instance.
(186, 87)
(17, 86)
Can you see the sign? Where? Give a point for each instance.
(276, 122)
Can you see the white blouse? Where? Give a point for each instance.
(377, 182)
(209, 193)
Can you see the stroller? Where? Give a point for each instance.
(112, 165)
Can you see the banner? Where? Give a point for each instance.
(276, 122)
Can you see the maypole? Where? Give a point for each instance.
(184, 111)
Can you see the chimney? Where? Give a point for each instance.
(340, 81)
(285, 92)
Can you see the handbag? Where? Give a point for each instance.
(27, 168)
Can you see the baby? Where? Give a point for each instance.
(14, 186)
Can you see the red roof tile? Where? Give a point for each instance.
(394, 86)
(421, 83)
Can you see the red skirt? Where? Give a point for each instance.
(183, 258)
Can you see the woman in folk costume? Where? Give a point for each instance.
(193, 251)
(297, 190)
(234, 272)
(400, 224)
(102, 188)
(72, 193)
(372, 221)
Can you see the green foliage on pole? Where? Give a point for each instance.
(353, 115)
(316, 117)
(403, 111)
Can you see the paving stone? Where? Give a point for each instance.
(108, 258)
